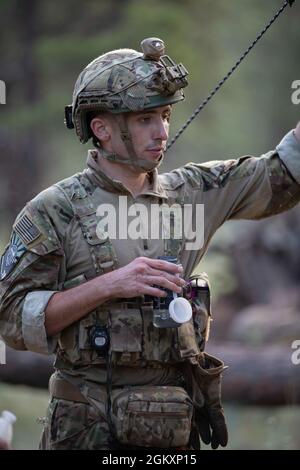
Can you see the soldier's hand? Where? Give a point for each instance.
(141, 275)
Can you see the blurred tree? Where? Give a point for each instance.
(24, 148)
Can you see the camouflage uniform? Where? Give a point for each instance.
(57, 255)
(55, 246)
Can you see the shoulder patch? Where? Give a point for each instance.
(11, 255)
(27, 230)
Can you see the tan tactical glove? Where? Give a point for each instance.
(204, 382)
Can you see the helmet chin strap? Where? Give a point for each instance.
(133, 160)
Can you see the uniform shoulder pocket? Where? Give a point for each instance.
(172, 180)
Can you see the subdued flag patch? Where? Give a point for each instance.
(27, 230)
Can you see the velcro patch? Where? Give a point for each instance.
(11, 256)
(27, 230)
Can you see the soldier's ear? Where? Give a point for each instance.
(101, 128)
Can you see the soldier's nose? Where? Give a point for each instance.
(162, 132)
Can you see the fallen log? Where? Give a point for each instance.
(26, 368)
(262, 375)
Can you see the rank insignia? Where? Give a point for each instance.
(11, 255)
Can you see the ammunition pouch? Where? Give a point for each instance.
(134, 340)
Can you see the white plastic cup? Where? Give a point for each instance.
(180, 309)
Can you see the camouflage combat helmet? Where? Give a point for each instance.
(123, 81)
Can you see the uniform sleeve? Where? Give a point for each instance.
(32, 267)
(248, 187)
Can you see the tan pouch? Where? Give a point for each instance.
(125, 335)
(152, 416)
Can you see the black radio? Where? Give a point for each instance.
(99, 339)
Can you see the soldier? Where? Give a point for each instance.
(126, 376)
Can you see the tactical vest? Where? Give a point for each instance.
(134, 340)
